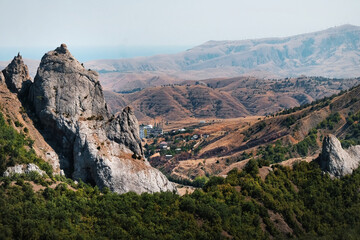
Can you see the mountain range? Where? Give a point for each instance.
(334, 52)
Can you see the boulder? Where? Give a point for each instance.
(337, 161)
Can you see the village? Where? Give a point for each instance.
(181, 143)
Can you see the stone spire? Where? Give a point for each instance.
(16, 74)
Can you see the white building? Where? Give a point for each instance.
(148, 130)
(145, 131)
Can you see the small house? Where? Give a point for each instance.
(163, 145)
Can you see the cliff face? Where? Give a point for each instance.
(337, 161)
(92, 144)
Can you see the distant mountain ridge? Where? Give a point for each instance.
(226, 97)
(334, 52)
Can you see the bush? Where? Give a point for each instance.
(252, 167)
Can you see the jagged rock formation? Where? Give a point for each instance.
(23, 169)
(94, 145)
(17, 76)
(337, 161)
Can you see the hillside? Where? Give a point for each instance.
(226, 97)
(333, 52)
(17, 117)
(179, 102)
(294, 134)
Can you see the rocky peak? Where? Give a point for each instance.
(337, 161)
(16, 75)
(62, 49)
(63, 87)
(93, 145)
(124, 129)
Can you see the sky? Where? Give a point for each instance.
(127, 28)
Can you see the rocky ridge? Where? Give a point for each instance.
(92, 144)
(337, 161)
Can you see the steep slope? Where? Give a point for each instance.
(92, 144)
(18, 116)
(333, 52)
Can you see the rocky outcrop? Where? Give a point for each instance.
(337, 161)
(93, 145)
(17, 76)
(23, 169)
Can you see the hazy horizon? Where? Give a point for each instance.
(84, 54)
(118, 29)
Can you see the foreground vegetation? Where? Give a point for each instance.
(311, 204)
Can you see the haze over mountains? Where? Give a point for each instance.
(334, 52)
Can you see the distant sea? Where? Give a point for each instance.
(84, 54)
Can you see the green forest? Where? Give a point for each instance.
(239, 206)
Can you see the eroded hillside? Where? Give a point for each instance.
(226, 97)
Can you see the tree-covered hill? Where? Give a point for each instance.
(302, 203)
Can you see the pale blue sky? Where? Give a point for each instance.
(85, 23)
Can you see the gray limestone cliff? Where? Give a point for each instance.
(93, 145)
(338, 161)
(17, 76)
